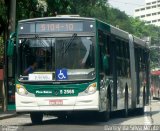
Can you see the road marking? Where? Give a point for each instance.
(146, 117)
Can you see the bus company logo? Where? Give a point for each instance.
(56, 92)
(43, 92)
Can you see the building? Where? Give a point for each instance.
(150, 12)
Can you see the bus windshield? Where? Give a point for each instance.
(40, 56)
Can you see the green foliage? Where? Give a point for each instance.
(58, 6)
(28, 9)
(3, 10)
(119, 19)
(1, 52)
(155, 59)
(3, 20)
(90, 8)
(3, 16)
(86, 8)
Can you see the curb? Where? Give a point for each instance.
(6, 116)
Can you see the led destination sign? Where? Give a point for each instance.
(55, 27)
(58, 27)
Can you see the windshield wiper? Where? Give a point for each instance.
(24, 41)
(70, 42)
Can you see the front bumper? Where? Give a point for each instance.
(74, 103)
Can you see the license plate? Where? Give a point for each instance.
(55, 102)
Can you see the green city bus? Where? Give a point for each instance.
(76, 64)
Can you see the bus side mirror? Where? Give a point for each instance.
(105, 63)
(10, 46)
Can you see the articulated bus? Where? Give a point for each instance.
(76, 64)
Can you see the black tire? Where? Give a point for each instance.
(105, 116)
(36, 117)
(108, 109)
(144, 97)
(62, 117)
(126, 102)
(141, 110)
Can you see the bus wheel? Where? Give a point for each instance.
(104, 116)
(36, 117)
(108, 109)
(141, 110)
(144, 97)
(126, 102)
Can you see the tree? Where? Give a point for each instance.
(90, 8)
(3, 16)
(58, 7)
(28, 9)
(85, 8)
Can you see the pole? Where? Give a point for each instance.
(8, 62)
(12, 16)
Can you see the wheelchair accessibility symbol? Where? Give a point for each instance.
(61, 74)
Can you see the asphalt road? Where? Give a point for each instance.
(149, 121)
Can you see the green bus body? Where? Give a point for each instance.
(115, 75)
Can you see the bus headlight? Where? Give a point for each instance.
(91, 89)
(21, 90)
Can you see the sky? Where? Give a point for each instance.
(127, 6)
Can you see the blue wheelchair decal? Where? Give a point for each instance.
(61, 74)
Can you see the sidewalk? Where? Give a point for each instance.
(7, 114)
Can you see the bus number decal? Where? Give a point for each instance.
(65, 92)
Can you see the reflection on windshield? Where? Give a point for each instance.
(46, 55)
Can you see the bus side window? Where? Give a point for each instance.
(104, 62)
(122, 58)
(107, 54)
